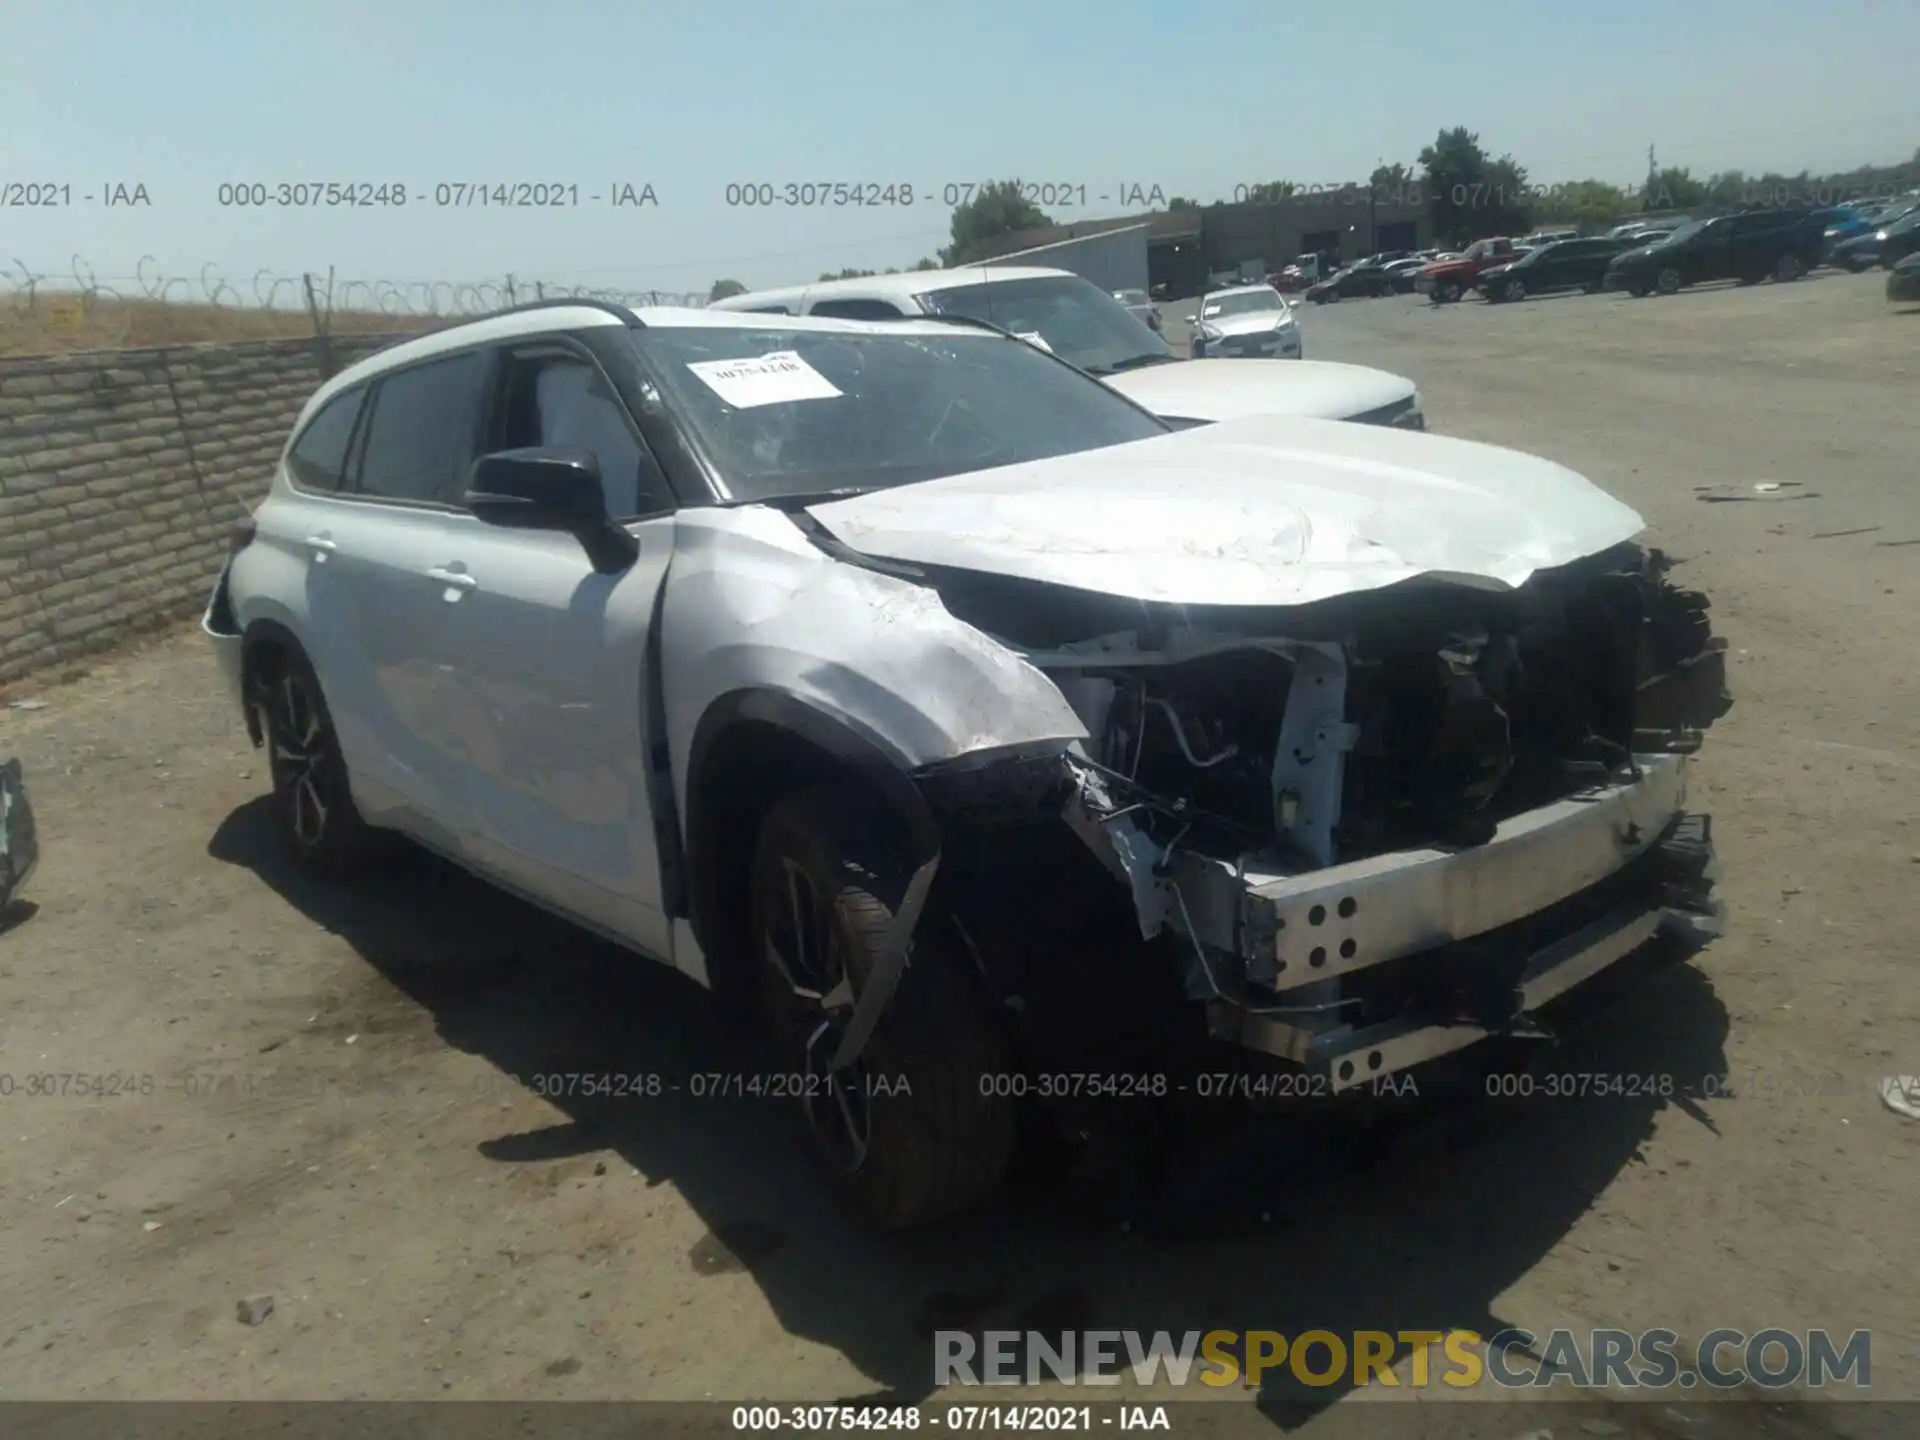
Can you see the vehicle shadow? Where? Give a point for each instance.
(1285, 1222)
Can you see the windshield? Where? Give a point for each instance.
(786, 412)
(1685, 232)
(1248, 302)
(1080, 322)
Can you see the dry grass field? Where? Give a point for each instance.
(69, 323)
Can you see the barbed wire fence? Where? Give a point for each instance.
(79, 308)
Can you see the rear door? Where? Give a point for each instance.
(408, 465)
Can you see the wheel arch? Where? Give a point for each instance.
(263, 642)
(750, 747)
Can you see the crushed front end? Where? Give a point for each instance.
(1376, 830)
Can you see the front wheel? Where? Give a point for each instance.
(912, 1131)
(1788, 267)
(1668, 281)
(1448, 293)
(312, 799)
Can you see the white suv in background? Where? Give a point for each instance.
(1087, 327)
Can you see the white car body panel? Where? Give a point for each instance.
(1232, 389)
(751, 603)
(1264, 511)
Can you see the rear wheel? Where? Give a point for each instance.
(1516, 290)
(910, 1132)
(1448, 292)
(1668, 280)
(312, 800)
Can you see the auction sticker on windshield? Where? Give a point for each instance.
(773, 379)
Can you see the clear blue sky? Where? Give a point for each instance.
(1192, 96)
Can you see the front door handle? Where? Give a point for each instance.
(321, 545)
(453, 579)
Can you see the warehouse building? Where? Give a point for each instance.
(1178, 250)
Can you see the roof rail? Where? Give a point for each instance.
(620, 312)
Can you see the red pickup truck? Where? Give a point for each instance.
(1448, 280)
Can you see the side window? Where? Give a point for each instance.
(319, 457)
(420, 440)
(767, 310)
(856, 310)
(563, 402)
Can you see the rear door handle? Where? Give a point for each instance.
(454, 579)
(321, 545)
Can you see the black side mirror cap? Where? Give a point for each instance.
(559, 490)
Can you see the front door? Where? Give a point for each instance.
(543, 704)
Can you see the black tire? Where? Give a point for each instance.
(312, 799)
(1637, 289)
(1668, 281)
(1448, 292)
(829, 866)
(1788, 268)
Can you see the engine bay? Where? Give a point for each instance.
(1413, 719)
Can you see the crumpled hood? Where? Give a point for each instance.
(1235, 389)
(1271, 510)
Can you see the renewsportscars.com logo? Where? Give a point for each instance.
(1773, 1359)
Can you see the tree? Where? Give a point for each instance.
(1181, 202)
(1470, 196)
(925, 264)
(849, 274)
(1392, 182)
(1266, 190)
(1673, 188)
(723, 288)
(1584, 204)
(1000, 208)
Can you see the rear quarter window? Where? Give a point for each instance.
(318, 458)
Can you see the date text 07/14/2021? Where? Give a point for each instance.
(903, 194)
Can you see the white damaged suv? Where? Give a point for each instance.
(1083, 324)
(962, 721)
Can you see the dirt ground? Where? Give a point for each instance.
(324, 1093)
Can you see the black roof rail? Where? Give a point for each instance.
(620, 312)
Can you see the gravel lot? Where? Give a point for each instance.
(327, 1095)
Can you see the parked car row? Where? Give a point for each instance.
(1641, 259)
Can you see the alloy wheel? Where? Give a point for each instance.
(1516, 290)
(298, 744)
(806, 958)
(1669, 280)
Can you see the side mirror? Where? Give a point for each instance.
(550, 490)
(1193, 319)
